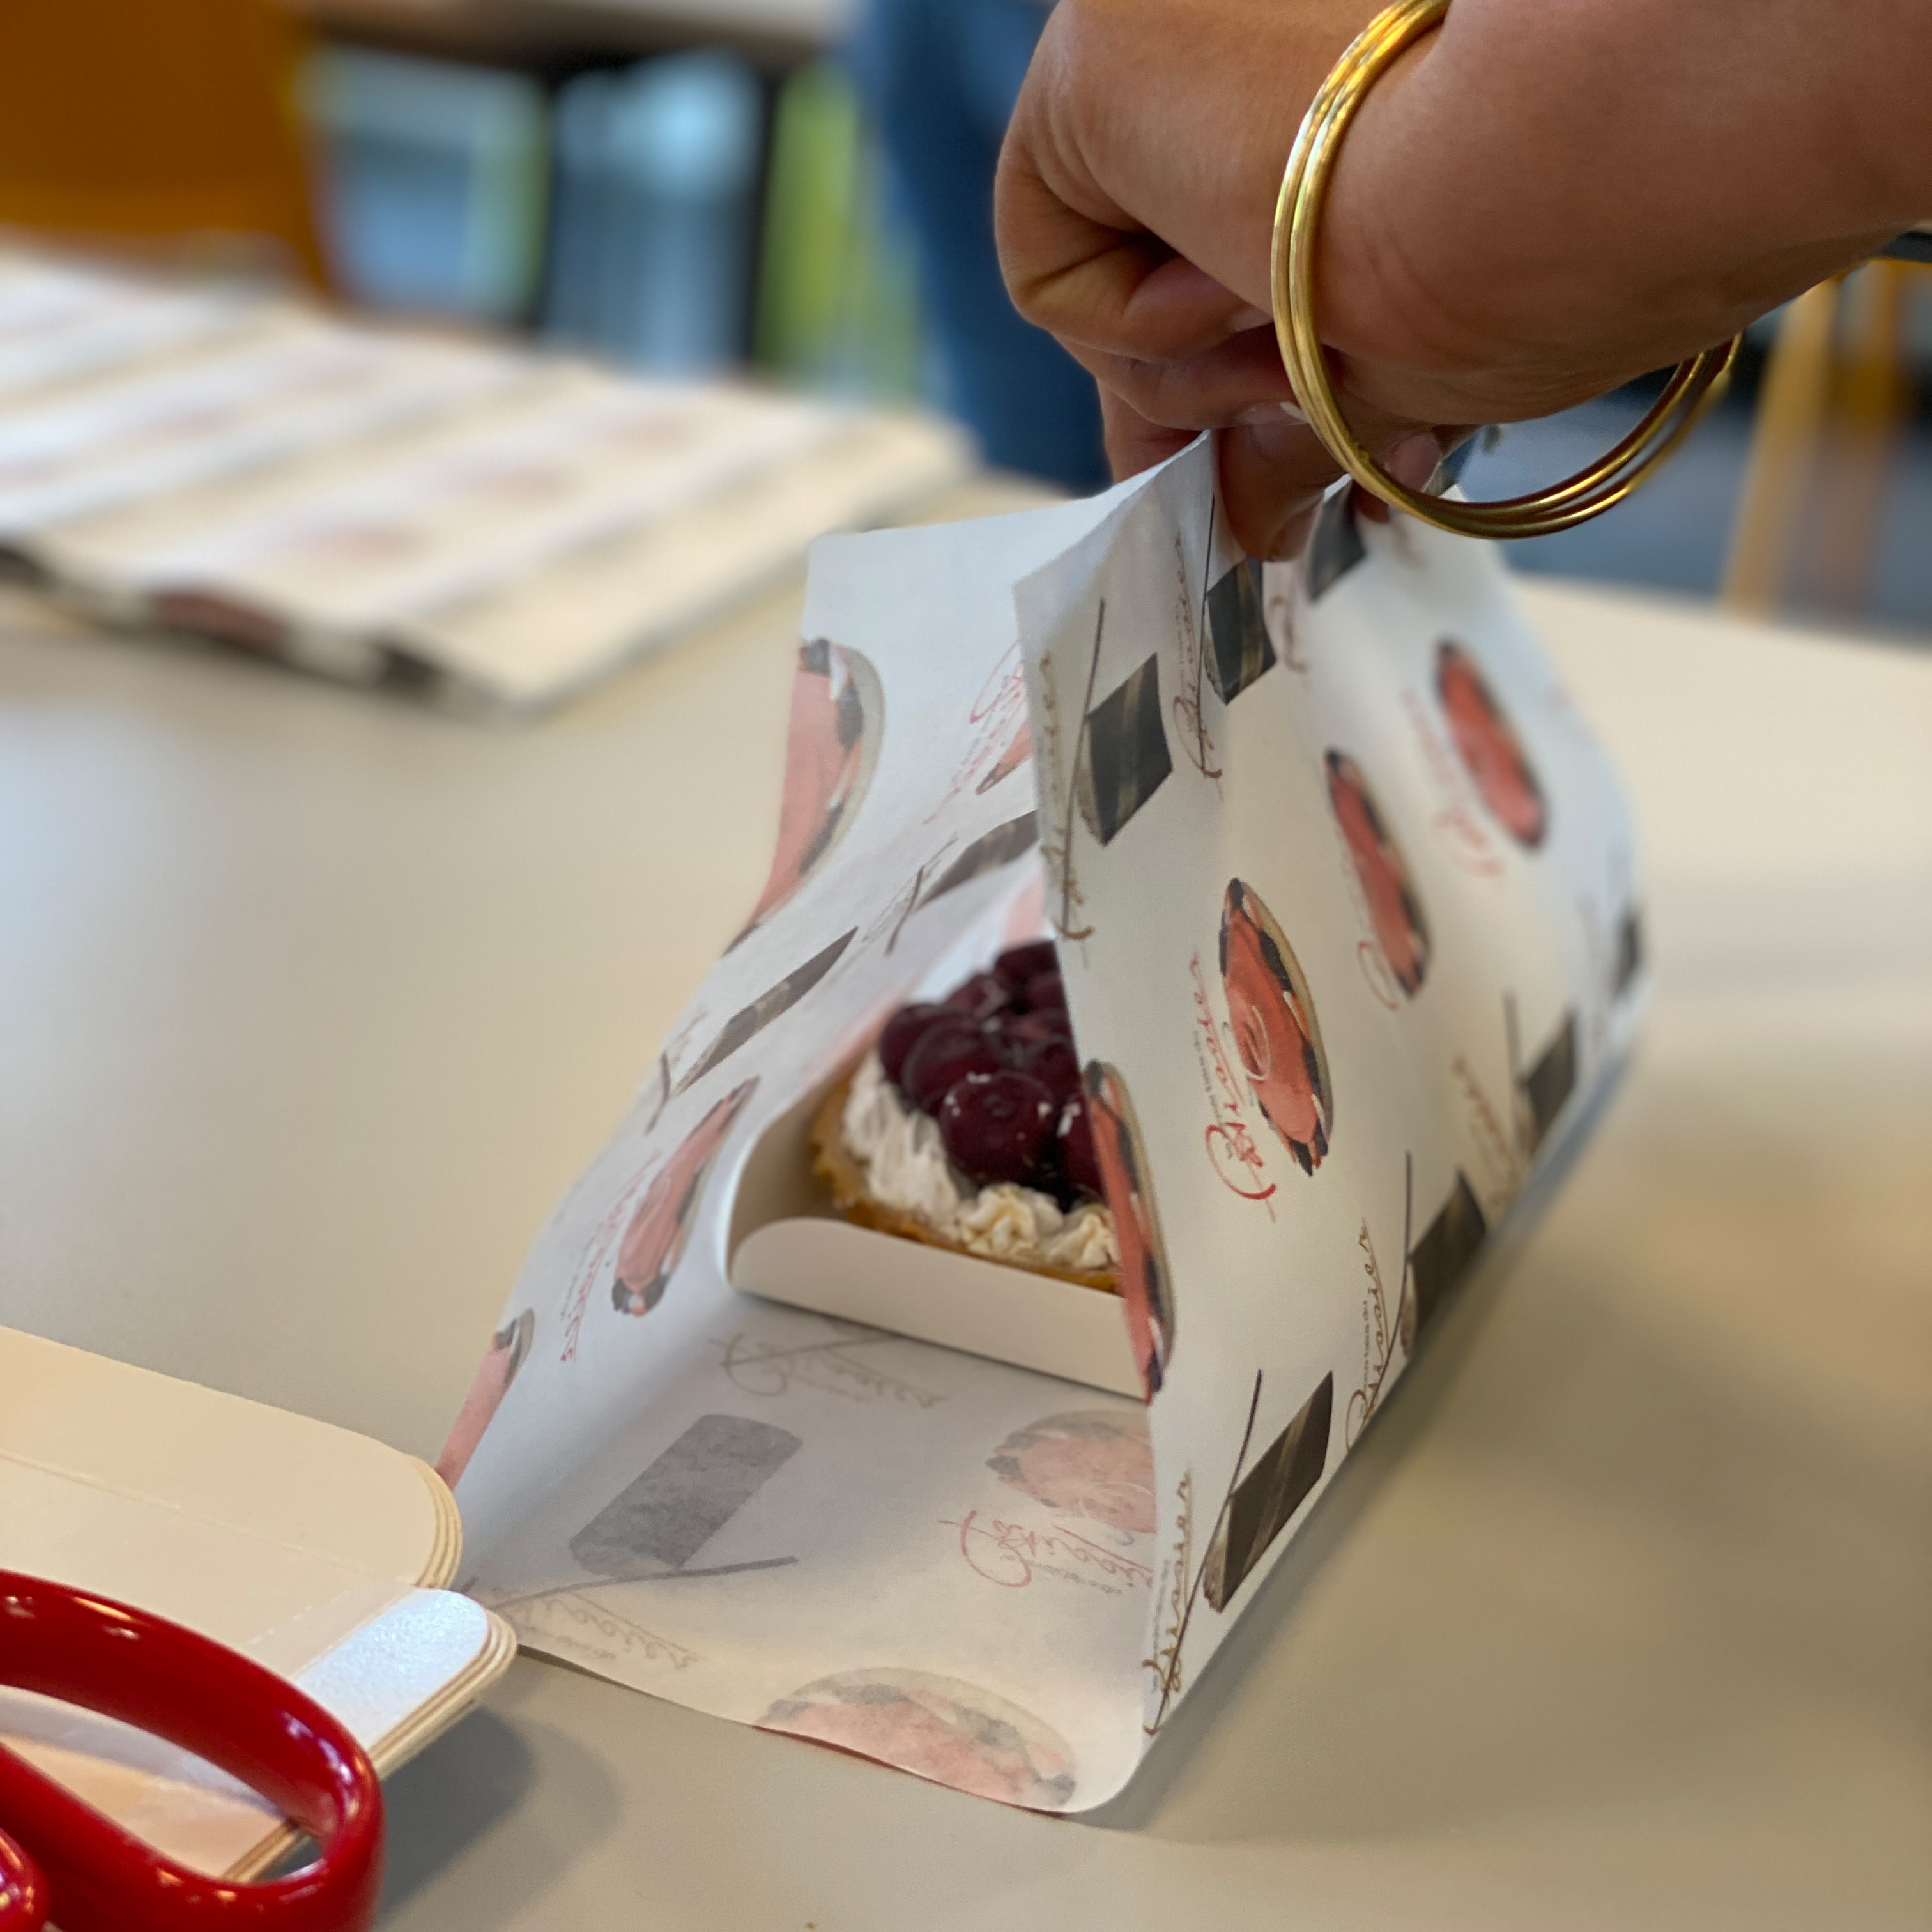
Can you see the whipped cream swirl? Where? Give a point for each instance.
(906, 1168)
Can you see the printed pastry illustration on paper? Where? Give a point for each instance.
(653, 1242)
(837, 714)
(1271, 1016)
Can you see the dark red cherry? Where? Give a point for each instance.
(1022, 1031)
(1078, 1161)
(1055, 1064)
(903, 1032)
(1045, 990)
(996, 1125)
(946, 1052)
(1019, 963)
(982, 996)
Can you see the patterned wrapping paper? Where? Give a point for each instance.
(1345, 894)
(492, 527)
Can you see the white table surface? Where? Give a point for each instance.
(311, 1003)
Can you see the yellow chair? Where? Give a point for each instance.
(154, 122)
(1835, 399)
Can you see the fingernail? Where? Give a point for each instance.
(1248, 318)
(1268, 416)
(1415, 459)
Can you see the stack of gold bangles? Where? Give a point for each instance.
(1298, 214)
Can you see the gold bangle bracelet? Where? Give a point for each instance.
(1692, 387)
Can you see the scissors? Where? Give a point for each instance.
(61, 1859)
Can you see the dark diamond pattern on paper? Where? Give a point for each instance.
(987, 853)
(1548, 1084)
(660, 1521)
(1448, 1248)
(748, 1021)
(1630, 952)
(1239, 648)
(1335, 546)
(1266, 1499)
(1126, 758)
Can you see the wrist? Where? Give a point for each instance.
(1549, 195)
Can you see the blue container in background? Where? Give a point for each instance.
(434, 179)
(656, 202)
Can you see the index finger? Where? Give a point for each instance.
(1107, 287)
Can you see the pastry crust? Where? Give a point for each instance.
(835, 1164)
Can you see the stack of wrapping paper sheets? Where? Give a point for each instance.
(384, 504)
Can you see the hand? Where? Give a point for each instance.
(1544, 198)
(1135, 202)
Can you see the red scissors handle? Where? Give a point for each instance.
(92, 1875)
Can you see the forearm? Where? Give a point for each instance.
(1550, 193)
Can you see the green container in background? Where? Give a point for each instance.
(837, 308)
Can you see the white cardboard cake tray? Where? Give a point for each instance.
(787, 1243)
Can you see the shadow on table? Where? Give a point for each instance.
(443, 1806)
(1231, 1674)
(1700, 1550)
(1393, 1434)
(1652, 1554)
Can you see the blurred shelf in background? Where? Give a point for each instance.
(434, 181)
(682, 214)
(655, 215)
(558, 34)
(837, 301)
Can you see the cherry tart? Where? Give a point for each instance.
(993, 1063)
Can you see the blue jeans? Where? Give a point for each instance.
(940, 77)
